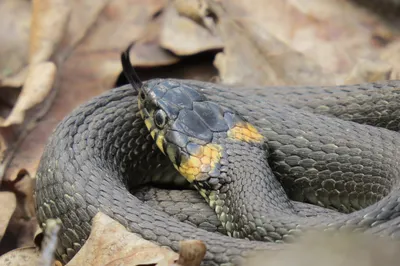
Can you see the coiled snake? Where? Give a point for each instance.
(259, 156)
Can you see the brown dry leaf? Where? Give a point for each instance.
(325, 34)
(91, 67)
(14, 36)
(196, 10)
(369, 71)
(147, 51)
(49, 20)
(391, 54)
(46, 30)
(22, 224)
(345, 249)
(253, 57)
(9, 202)
(110, 244)
(38, 85)
(183, 36)
(20, 257)
(191, 253)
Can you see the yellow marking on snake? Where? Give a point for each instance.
(159, 141)
(244, 131)
(148, 123)
(198, 165)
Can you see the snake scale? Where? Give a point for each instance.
(311, 147)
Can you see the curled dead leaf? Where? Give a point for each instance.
(22, 224)
(27, 256)
(9, 202)
(15, 18)
(49, 20)
(191, 253)
(369, 71)
(110, 244)
(37, 86)
(193, 9)
(254, 57)
(183, 36)
(332, 249)
(295, 42)
(391, 54)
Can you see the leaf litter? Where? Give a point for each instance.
(57, 54)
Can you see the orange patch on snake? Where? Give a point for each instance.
(245, 132)
(198, 165)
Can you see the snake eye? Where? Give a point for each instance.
(160, 118)
(142, 96)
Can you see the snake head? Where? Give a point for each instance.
(188, 127)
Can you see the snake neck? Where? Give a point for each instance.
(238, 195)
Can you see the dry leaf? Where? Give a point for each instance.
(369, 71)
(391, 54)
(331, 35)
(82, 16)
(191, 253)
(183, 36)
(49, 20)
(110, 244)
(9, 202)
(38, 85)
(20, 257)
(193, 9)
(147, 51)
(344, 249)
(22, 224)
(15, 18)
(89, 69)
(253, 57)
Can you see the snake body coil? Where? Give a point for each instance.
(103, 150)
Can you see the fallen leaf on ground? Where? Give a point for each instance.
(46, 30)
(147, 52)
(252, 57)
(20, 257)
(22, 224)
(110, 244)
(184, 37)
(345, 249)
(369, 71)
(38, 85)
(391, 54)
(91, 66)
(14, 36)
(295, 42)
(9, 202)
(191, 253)
(49, 20)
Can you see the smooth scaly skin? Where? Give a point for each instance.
(94, 151)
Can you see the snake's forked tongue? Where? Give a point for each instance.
(129, 71)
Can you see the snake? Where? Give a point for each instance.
(241, 169)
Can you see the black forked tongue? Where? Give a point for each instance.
(129, 71)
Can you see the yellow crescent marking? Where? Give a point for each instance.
(202, 163)
(244, 131)
(159, 141)
(148, 123)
